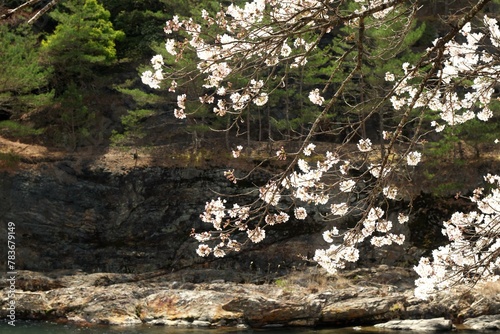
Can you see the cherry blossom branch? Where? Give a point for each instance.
(258, 38)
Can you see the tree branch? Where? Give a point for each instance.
(43, 11)
(12, 11)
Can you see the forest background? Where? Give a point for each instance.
(70, 80)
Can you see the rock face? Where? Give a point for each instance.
(97, 221)
(168, 299)
(77, 216)
(113, 247)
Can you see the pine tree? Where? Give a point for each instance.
(83, 41)
(80, 50)
(137, 122)
(383, 52)
(23, 81)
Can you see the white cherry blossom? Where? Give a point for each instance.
(365, 145)
(413, 158)
(315, 98)
(300, 213)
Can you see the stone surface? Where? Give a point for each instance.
(161, 298)
(363, 308)
(79, 215)
(437, 324)
(100, 243)
(484, 322)
(132, 222)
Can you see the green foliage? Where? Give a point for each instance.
(428, 36)
(142, 27)
(282, 283)
(383, 52)
(88, 39)
(133, 130)
(83, 39)
(450, 144)
(289, 112)
(292, 113)
(16, 129)
(132, 122)
(200, 119)
(142, 22)
(476, 133)
(23, 81)
(75, 120)
(139, 96)
(444, 149)
(447, 188)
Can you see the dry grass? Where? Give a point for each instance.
(314, 280)
(489, 289)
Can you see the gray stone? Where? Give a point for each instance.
(436, 324)
(354, 306)
(200, 323)
(115, 248)
(484, 322)
(133, 222)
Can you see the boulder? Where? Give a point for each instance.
(261, 311)
(484, 322)
(436, 324)
(203, 308)
(365, 307)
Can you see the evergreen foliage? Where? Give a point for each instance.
(73, 118)
(83, 41)
(95, 45)
(23, 81)
(79, 50)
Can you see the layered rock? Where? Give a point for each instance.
(167, 299)
(102, 245)
(77, 215)
(136, 221)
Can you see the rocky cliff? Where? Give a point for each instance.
(359, 298)
(69, 216)
(101, 241)
(106, 216)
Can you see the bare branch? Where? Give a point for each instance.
(43, 11)
(12, 11)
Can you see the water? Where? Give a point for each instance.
(52, 328)
(25, 327)
(31, 327)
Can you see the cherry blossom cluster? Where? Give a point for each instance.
(250, 34)
(305, 186)
(154, 79)
(374, 226)
(253, 34)
(462, 90)
(473, 253)
(463, 85)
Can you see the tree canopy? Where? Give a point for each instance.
(84, 38)
(23, 80)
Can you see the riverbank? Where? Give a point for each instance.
(361, 297)
(104, 239)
